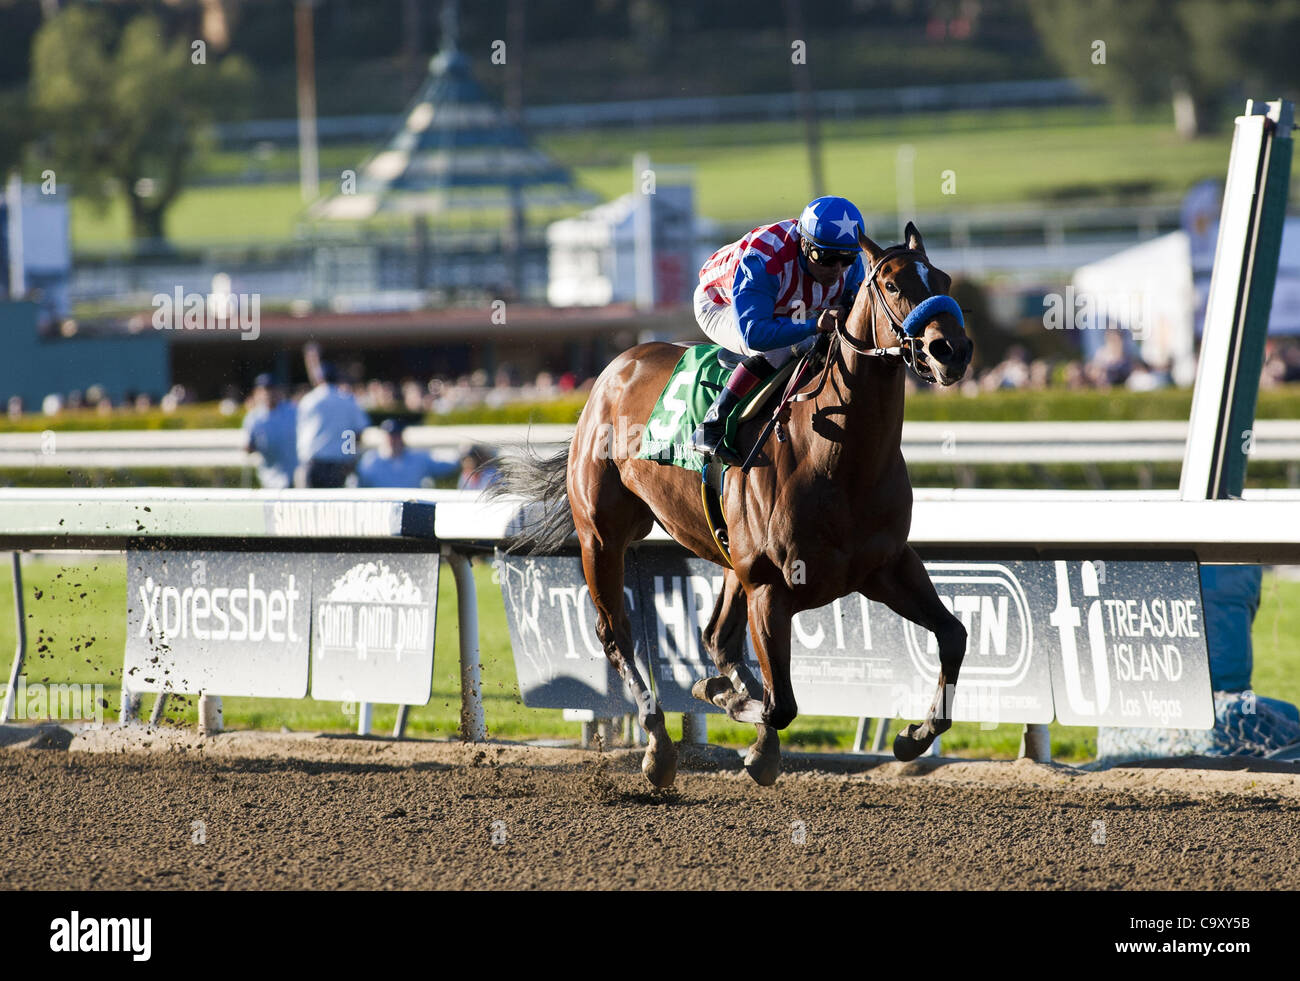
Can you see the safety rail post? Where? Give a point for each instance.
(473, 728)
(20, 631)
(1036, 743)
(860, 736)
(130, 706)
(695, 728)
(210, 715)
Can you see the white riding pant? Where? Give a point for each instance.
(719, 322)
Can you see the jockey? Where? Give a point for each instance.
(763, 295)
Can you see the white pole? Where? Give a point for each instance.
(1237, 310)
(210, 715)
(20, 652)
(365, 712)
(308, 156)
(643, 186)
(473, 727)
(17, 264)
(695, 727)
(130, 706)
(1036, 743)
(860, 737)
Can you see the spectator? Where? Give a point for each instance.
(397, 465)
(271, 430)
(330, 424)
(1112, 363)
(477, 469)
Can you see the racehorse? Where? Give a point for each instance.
(822, 514)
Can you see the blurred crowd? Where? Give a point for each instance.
(1114, 365)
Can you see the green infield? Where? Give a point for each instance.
(755, 172)
(77, 631)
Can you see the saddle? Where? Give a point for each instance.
(784, 382)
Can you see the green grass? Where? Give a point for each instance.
(1001, 158)
(757, 171)
(61, 622)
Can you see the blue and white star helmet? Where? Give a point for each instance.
(832, 223)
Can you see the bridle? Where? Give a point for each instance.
(907, 331)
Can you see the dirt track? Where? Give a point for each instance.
(323, 813)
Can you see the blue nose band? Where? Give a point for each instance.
(927, 310)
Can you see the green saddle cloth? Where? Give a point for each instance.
(684, 402)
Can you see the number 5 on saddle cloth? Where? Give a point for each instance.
(700, 374)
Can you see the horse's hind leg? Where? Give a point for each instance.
(735, 690)
(602, 565)
(904, 586)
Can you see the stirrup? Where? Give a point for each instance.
(719, 450)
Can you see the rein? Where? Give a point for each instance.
(907, 331)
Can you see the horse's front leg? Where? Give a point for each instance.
(735, 690)
(770, 610)
(904, 586)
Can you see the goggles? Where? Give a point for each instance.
(831, 257)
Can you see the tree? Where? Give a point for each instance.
(129, 114)
(1195, 53)
(14, 132)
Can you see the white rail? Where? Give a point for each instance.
(956, 443)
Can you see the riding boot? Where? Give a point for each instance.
(710, 437)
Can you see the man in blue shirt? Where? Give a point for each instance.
(330, 424)
(270, 430)
(396, 465)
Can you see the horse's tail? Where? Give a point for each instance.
(542, 481)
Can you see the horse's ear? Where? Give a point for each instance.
(913, 239)
(873, 251)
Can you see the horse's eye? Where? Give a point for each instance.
(891, 287)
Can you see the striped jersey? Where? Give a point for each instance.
(764, 276)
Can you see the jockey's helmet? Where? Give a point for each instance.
(832, 223)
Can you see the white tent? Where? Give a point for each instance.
(1157, 291)
(1148, 291)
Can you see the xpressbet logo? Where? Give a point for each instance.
(220, 613)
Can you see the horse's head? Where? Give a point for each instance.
(904, 303)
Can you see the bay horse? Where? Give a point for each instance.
(818, 516)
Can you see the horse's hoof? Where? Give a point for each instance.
(763, 768)
(707, 689)
(907, 747)
(660, 764)
(763, 761)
